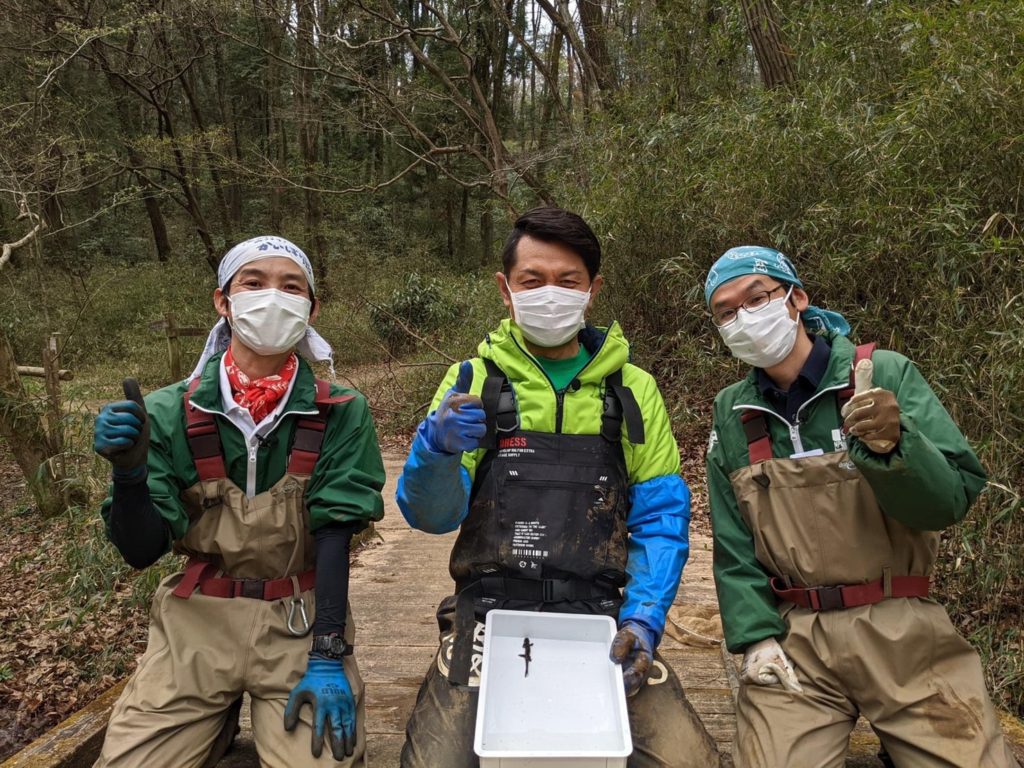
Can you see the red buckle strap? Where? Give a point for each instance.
(309, 431)
(759, 441)
(830, 598)
(203, 439)
(201, 574)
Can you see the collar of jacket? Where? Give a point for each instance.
(302, 398)
(507, 348)
(837, 374)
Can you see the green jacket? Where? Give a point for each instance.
(581, 409)
(927, 483)
(345, 485)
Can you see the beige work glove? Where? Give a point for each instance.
(872, 415)
(765, 663)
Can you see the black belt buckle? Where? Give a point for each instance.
(251, 588)
(829, 598)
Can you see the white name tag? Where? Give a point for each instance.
(808, 454)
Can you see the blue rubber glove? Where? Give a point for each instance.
(633, 648)
(122, 433)
(458, 423)
(326, 689)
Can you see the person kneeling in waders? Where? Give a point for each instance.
(827, 493)
(260, 474)
(554, 457)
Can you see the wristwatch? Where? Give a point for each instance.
(332, 646)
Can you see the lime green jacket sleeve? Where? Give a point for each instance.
(746, 601)
(932, 477)
(349, 475)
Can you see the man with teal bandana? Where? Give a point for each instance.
(827, 493)
(553, 457)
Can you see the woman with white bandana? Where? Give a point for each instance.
(260, 474)
(827, 492)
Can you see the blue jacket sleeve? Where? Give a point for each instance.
(659, 544)
(433, 491)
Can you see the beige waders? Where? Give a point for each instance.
(205, 651)
(897, 661)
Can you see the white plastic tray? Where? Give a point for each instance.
(569, 712)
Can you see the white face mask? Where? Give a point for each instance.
(269, 322)
(763, 338)
(549, 316)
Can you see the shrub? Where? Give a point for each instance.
(419, 305)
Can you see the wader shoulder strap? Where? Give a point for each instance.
(499, 405)
(309, 432)
(759, 440)
(620, 405)
(203, 439)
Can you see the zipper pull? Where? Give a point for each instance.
(253, 449)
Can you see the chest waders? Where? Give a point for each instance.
(546, 528)
(234, 621)
(818, 529)
(864, 639)
(262, 544)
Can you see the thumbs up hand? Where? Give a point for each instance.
(872, 415)
(122, 433)
(458, 424)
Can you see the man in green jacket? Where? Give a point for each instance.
(554, 458)
(827, 496)
(260, 474)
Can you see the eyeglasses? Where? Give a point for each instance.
(754, 302)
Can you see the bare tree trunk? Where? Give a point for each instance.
(156, 222)
(596, 42)
(308, 108)
(774, 57)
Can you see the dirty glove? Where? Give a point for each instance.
(122, 433)
(633, 648)
(458, 423)
(765, 663)
(872, 415)
(326, 689)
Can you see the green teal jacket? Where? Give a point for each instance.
(928, 482)
(346, 482)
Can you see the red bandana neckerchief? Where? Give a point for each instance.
(259, 396)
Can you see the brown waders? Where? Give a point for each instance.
(246, 632)
(864, 649)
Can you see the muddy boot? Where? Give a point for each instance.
(226, 737)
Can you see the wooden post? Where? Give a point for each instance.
(55, 413)
(173, 347)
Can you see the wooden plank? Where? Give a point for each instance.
(39, 372)
(73, 743)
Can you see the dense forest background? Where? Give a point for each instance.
(879, 144)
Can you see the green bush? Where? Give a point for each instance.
(419, 305)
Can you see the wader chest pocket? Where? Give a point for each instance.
(553, 519)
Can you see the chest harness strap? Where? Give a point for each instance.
(208, 454)
(501, 417)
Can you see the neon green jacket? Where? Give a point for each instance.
(434, 489)
(346, 482)
(927, 483)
